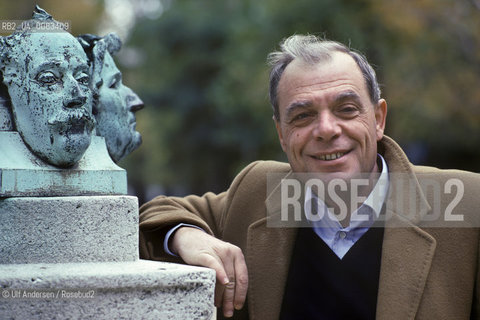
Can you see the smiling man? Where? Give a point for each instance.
(330, 121)
(327, 122)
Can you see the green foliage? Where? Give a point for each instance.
(205, 81)
(204, 78)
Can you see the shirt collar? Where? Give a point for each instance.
(375, 199)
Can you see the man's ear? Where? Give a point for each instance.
(380, 118)
(279, 132)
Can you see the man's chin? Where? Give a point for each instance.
(64, 151)
(135, 141)
(329, 176)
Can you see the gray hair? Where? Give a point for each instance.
(312, 49)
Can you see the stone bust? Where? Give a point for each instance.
(114, 103)
(47, 77)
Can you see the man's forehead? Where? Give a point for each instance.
(109, 65)
(336, 63)
(50, 43)
(44, 48)
(339, 69)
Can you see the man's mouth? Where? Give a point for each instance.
(75, 121)
(77, 126)
(330, 156)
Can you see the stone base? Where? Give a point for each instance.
(6, 123)
(68, 229)
(22, 174)
(114, 290)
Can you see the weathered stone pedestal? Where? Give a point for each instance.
(106, 290)
(76, 256)
(68, 229)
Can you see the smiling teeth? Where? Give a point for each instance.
(332, 156)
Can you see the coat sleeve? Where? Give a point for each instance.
(476, 296)
(162, 213)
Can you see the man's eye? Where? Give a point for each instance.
(301, 119)
(348, 109)
(83, 78)
(301, 116)
(114, 84)
(47, 77)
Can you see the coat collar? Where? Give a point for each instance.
(407, 250)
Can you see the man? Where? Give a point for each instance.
(330, 121)
(115, 104)
(46, 74)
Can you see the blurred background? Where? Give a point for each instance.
(200, 68)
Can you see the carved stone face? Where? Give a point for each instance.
(48, 83)
(115, 112)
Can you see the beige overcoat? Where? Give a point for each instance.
(428, 270)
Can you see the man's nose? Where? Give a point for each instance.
(77, 94)
(75, 102)
(134, 102)
(326, 127)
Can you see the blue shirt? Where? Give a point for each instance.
(337, 238)
(341, 239)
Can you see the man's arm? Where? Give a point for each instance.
(161, 214)
(197, 247)
(194, 246)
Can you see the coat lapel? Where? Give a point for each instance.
(407, 251)
(268, 258)
(406, 259)
(269, 248)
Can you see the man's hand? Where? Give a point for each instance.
(196, 247)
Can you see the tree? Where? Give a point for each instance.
(204, 80)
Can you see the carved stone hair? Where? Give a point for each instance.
(311, 50)
(95, 47)
(6, 45)
(8, 42)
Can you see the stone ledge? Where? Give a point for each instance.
(121, 290)
(68, 229)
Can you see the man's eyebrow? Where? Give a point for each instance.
(295, 106)
(117, 77)
(347, 96)
(48, 64)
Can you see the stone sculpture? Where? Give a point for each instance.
(47, 77)
(67, 224)
(114, 103)
(6, 122)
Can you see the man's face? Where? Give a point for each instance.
(115, 112)
(328, 123)
(48, 84)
